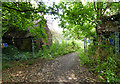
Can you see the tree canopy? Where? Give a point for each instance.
(21, 16)
(79, 20)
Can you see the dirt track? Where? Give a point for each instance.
(63, 69)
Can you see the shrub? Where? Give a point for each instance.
(103, 62)
(6, 66)
(57, 49)
(12, 53)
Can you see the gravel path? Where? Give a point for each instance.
(63, 69)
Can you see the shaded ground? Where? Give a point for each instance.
(63, 69)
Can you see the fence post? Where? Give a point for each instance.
(117, 43)
(0, 42)
(85, 45)
(33, 47)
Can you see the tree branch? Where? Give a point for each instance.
(33, 10)
(97, 9)
(22, 10)
(108, 5)
(94, 6)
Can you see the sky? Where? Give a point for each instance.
(52, 24)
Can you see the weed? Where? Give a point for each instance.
(30, 62)
(5, 66)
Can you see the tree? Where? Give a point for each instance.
(101, 10)
(21, 16)
(84, 20)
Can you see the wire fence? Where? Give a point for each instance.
(111, 41)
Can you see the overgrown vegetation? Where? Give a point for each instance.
(103, 62)
(86, 20)
(77, 20)
(58, 49)
(11, 53)
(21, 16)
